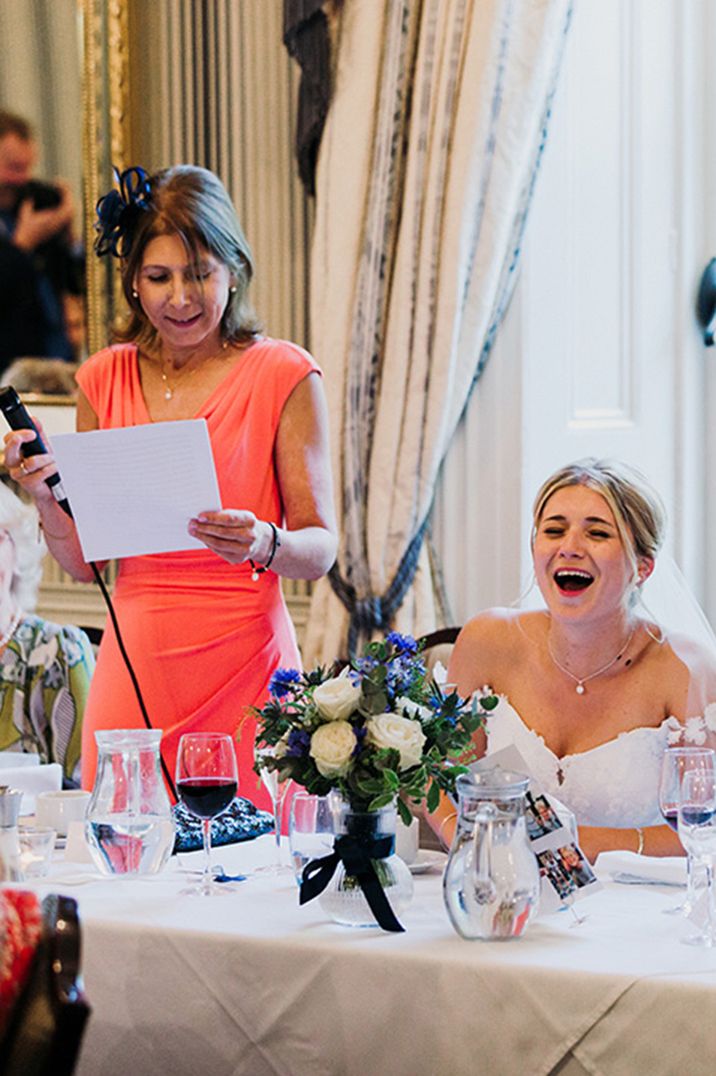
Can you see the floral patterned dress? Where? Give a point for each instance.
(45, 673)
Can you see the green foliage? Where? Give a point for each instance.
(410, 741)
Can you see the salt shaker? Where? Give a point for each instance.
(10, 800)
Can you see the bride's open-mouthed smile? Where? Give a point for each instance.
(579, 558)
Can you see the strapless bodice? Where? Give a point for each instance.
(613, 784)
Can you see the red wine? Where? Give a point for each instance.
(206, 797)
(671, 817)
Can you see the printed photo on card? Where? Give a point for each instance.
(551, 829)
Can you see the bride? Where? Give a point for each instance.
(591, 690)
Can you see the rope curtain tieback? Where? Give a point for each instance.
(373, 613)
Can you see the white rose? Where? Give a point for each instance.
(336, 699)
(408, 708)
(710, 716)
(332, 747)
(403, 735)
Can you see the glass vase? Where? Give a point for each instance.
(343, 898)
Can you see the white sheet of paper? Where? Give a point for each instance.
(134, 490)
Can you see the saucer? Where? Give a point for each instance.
(427, 860)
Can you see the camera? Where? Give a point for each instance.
(43, 195)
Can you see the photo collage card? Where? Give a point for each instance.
(566, 872)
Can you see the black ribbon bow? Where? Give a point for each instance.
(118, 211)
(356, 854)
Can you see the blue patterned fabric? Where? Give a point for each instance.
(241, 821)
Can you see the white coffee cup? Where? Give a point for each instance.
(58, 809)
(406, 840)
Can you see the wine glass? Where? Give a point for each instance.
(276, 788)
(310, 830)
(676, 763)
(206, 778)
(697, 832)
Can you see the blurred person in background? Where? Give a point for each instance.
(40, 262)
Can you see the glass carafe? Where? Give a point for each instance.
(491, 883)
(129, 823)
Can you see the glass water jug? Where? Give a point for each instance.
(491, 884)
(129, 824)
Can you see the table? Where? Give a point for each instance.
(250, 983)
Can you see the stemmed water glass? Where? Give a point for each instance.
(207, 779)
(676, 763)
(276, 789)
(697, 831)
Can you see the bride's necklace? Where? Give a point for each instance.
(8, 634)
(580, 681)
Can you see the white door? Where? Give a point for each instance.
(600, 353)
(612, 359)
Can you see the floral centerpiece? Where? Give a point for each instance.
(381, 732)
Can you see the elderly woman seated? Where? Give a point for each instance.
(45, 669)
(47, 377)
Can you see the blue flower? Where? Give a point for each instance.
(404, 644)
(282, 681)
(299, 742)
(360, 732)
(364, 666)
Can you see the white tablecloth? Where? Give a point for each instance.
(251, 983)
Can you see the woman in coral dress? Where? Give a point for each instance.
(205, 628)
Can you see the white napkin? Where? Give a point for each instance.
(17, 760)
(30, 780)
(645, 870)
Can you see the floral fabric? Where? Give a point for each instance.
(45, 673)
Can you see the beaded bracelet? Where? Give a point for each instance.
(258, 570)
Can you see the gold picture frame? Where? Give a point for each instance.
(105, 143)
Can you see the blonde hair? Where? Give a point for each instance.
(21, 522)
(193, 204)
(638, 510)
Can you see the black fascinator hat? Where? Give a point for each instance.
(119, 210)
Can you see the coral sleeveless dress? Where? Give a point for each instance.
(203, 636)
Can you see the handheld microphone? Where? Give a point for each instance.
(17, 418)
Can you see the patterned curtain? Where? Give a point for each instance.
(429, 157)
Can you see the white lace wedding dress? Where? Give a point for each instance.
(614, 784)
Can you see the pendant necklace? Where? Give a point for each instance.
(170, 389)
(580, 681)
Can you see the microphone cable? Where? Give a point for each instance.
(130, 669)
